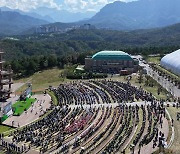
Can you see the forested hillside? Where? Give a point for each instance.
(74, 46)
(92, 40)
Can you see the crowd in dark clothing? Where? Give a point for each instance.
(63, 121)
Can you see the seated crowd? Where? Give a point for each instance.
(104, 129)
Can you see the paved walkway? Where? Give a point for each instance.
(15, 86)
(116, 104)
(148, 149)
(170, 87)
(33, 113)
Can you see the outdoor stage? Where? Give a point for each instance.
(32, 114)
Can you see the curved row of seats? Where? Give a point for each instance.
(106, 129)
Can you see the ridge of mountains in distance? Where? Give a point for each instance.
(142, 14)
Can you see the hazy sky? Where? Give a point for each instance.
(71, 5)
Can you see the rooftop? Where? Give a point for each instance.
(111, 55)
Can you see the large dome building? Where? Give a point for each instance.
(111, 62)
(171, 62)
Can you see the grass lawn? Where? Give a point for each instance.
(42, 79)
(53, 97)
(155, 60)
(4, 128)
(153, 90)
(20, 106)
(176, 144)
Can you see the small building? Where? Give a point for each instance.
(87, 27)
(111, 62)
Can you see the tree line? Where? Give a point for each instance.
(29, 65)
(30, 54)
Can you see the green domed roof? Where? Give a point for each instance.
(111, 55)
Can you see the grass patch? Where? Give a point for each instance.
(170, 132)
(20, 106)
(53, 97)
(153, 90)
(175, 148)
(155, 59)
(43, 79)
(167, 72)
(4, 128)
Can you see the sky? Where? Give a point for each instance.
(70, 5)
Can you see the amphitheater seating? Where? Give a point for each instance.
(72, 128)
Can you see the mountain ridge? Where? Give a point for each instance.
(142, 14)
(31, 14)
(12, 23)
(165, 36)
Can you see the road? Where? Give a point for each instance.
(170, 87)
(85, 106)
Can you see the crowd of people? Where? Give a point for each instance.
(103, 91)
(12, 147)
(66, 128)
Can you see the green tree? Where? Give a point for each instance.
(52, 61)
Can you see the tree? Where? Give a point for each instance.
(16, 67)
(43, 62)
(52, 61)
(31, 67)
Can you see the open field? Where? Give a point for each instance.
(43, 79)
(20, 106)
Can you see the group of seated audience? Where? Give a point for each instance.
(71, 128)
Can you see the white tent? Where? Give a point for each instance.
(172, 62)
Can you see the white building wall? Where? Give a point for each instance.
(172, 62)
